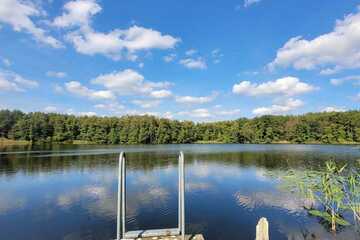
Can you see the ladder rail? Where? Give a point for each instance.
(179, 197)
(182, 194)
(120, 228)
(121, 204)
(123, 196)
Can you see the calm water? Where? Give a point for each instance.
(69, 192)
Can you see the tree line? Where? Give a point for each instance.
(334, 127)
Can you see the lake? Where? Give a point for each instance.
(70, 191)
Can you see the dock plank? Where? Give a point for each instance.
(173, 237)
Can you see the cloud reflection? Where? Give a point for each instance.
(8, 202)
(197, 186)
(272, 199)
(69, 198)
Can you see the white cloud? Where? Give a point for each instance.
(197, 113)
(159, 84)
(71, 111)
(140, 113)
(116, 44)
(228, 112)
(50, 109)
(88, 114)
(329, 71)
(77, 89)
(18, 14)
(56, 74)
(112, 107)
(6, 62)
(330, 52)
(277, 109)
(168, 115)
(191, 63)
(340, 81)
(124, 82)
(195, 100)
(129, 82)
(190, 52)
(113, 44)
(139, 38)
(333, 109)
(146, 103)
(288, 86)
(161, 93)
(169, 58)
(90, 42)
(10, 81)
(58, 89)
(216, 55)
(357, 98)
(205, 113)
(248, 3)
(77, 13)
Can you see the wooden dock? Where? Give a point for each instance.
(262, 229)
(262, 233)
(173, 237)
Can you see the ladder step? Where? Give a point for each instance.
(152, 233)
(173, 237)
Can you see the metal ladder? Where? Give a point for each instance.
(122, 234)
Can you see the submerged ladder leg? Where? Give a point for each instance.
(181, 195)
(120, 230)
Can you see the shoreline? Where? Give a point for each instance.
(9, 142)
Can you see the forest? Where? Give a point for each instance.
(37, 127)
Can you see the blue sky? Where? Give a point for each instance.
(187, 60)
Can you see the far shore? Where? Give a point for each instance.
(9, 142)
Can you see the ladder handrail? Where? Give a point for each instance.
(181, 195)
(121, 205)
(120, 230)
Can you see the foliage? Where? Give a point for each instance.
(51, 127)
(332, 191)
(330, 194)
(351, 185)
(333, 219)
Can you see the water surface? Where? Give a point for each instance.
(69, 192)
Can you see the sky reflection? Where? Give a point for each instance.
(73, 191)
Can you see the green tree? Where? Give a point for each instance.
(341, 127)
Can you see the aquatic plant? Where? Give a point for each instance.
(351, 187)
(330, 191)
